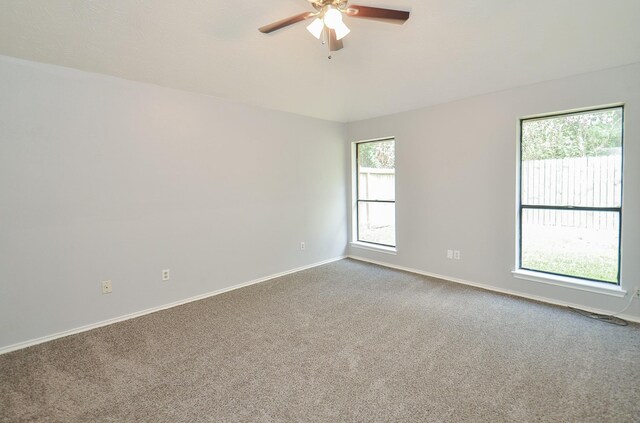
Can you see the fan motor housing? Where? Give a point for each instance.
(319, 4)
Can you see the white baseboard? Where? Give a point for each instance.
(31, 342)
(628, 317)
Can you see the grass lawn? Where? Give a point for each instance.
(584, 253)
(380, 235)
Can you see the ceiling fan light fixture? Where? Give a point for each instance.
(328, 25)
(332, 17)
(316, 27)
(341, 31)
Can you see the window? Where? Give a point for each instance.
(571, 194)
(376, 192)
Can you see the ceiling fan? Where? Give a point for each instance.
(328, 25)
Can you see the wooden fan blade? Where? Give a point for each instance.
(374, 13)
(286, 22)
(334, 43)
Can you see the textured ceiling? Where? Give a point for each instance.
(447, 50)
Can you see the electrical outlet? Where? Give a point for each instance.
(456, 254)
(302, 246)
(638, 291)
(166, 275)
(106, 287)
(449, 254)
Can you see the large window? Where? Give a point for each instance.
(571, 194)
(376, 192)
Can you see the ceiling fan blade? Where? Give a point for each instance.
(374, 13)
(286, 22)
(334, 43)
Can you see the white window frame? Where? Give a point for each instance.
(355, 242)
(565, 281)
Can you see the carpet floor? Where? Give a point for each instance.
(344, 342)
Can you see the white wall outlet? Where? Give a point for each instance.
(166, 274)
(302, 246)
(456, 254)
(449, 254)
(106, 287)
(638, 291)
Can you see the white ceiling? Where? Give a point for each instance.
(447, 50)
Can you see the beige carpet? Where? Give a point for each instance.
(347, 341)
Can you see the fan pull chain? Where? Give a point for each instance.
(326, 40)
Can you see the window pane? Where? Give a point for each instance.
(582, 244)
(376, 184)
(573, 160)
(376, 170)
(377, 223)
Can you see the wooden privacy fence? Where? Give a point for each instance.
(376, 184)
(582, 181)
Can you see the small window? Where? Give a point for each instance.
(571, 194)
(375, 213)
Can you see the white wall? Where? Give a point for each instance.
(102, 178)
(447, 197)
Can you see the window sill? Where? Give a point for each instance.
(374, 247)
(573, 283)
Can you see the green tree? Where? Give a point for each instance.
(577, 135)
(377, 154)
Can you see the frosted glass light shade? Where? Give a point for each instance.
(332, 18)
(341, 30)
(315, 28)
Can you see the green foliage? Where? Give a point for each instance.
(377, 154)
(603, 268)
(578, 135)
